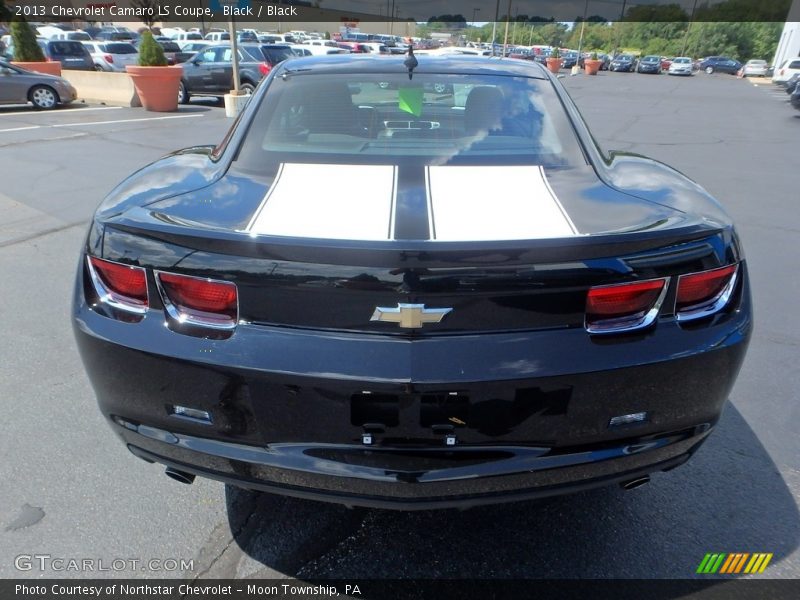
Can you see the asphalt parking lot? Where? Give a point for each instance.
(71, 490)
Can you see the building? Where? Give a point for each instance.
(789, 44)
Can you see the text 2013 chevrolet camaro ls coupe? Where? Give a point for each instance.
(389, 296)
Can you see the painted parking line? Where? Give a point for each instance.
(98, 123)
(21, 128)
(123, 121)
(64, 111)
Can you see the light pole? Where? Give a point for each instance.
(494, 24)
(688, 27)
(583, 26)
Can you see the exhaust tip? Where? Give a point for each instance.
(181, 476)
(632, 484)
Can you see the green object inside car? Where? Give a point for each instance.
(410, 100)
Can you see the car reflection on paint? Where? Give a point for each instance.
(387, 296)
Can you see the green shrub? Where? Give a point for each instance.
(151, 54)
(593, 56)
(556, 53)
(25, 47)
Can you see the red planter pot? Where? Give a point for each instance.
(592, 66)
(554, 64)
(48, 68)
(157, 87)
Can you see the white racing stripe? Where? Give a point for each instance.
(340, 202)
(493, 203)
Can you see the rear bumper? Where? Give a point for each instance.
(302, 471)
(530, 413)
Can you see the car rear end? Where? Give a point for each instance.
(115, 56)
(403, 341)
(71, 54)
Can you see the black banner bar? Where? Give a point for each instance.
(455, 13)
(712, 588)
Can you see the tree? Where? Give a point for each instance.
(25, 47)
(149, 11)
(5, 14)
(151, 54)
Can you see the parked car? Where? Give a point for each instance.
(755, 68)
(217, 36)
(665, 63)
(351, 301)
(792, 83)
(116, 35)
(210, 71)
(681, 65)
(79, 36)
(649, 64)
(19, 86)
(722, 64)
(570, 60)
(795, 97)
(273, 54)
(112, 56)
(172, 52)
(182, 38)
(623, 62)
(301, 50)
(194, 46)
(788, 68)
(72, 55)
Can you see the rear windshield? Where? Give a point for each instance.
(170, 46)
(442, 119)
(119, 48)
(67, 49)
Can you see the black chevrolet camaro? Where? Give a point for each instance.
(391, 296)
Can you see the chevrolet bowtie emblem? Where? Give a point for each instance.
(410, 316)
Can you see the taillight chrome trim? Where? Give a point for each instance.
(109, 297)
(186, 318)
(626, 324)
(709, 307)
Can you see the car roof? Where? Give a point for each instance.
(457, 64)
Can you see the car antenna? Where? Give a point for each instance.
(411, 61)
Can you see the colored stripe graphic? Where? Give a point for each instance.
(728, 564)
(758, 563)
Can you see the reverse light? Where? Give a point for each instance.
(624, 306)
(702, 294)
(199, 301)
(119, 285)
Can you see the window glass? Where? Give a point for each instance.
(442, 119)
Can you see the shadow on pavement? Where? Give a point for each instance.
(729, 497)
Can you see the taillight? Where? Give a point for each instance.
(624, 306)
(199, 301)
(703, 294)
(118, 285)
(108, 58)
(264, 68)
